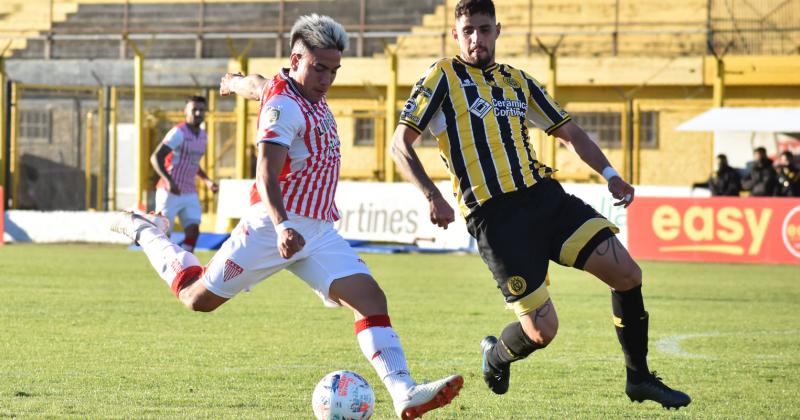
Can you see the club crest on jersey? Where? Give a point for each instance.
(480, 108)
(231, 270)
(467, 83)
(511, 82)
(516, 285)
(272, 114)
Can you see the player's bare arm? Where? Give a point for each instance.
(159, 162)
(572, 135)
(208, 181)
(269, 164)
(409, 165)
(249, 87)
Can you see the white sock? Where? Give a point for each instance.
(381, 346)
(166, 257)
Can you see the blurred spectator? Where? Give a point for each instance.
(725, 181)
(762, 180)
(788, 176)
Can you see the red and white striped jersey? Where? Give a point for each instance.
(183, 161)
(311, 172)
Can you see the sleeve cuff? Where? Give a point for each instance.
(411, 125)
(272, 142)
(557, 125)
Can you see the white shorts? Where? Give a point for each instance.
(185, 206)
(251, 255)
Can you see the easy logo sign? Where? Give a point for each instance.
(715, 229)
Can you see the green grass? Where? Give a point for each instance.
(91, 332)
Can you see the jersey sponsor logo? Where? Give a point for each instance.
(333, 146)
(422, 90)
(325, 123)
(516, 285)
(480, 108)
(509, 108)
(231, 270)
(272, 114)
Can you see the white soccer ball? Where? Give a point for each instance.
(343, 395)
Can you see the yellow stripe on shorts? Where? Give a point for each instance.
(575, 243)
(531, 302)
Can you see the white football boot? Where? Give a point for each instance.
(428, 396)
(130, 223)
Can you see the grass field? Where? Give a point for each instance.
(91, 332)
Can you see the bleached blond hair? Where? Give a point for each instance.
(318, 31)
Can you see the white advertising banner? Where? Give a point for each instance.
(233, 200)
(370, 211)
(61, 226)
(398, 212)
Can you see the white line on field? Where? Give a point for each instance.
(672, 344)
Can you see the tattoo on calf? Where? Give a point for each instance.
(609, 246)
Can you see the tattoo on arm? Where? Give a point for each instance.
(609, 246)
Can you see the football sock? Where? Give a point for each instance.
(513, 345)
(381, 346)
(188, 244)
(175, 266)
(631, 323)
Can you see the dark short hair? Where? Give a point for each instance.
(474, 7)
(722, 156)
(196, 98)
(788, 155)
(761, 150)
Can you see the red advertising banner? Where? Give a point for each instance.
(718, 229)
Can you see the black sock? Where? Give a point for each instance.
(631, 323)
(513, 345)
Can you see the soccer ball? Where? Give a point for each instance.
(343, 395)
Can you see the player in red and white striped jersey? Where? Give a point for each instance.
(290, 221)
(177, 162)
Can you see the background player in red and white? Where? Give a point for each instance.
(290, 222)
(177, 161)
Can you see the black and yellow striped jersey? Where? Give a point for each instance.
(478, 117)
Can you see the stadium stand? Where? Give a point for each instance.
(200, 29)
(628, 28)
(180, 29)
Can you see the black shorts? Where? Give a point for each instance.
(520, 232)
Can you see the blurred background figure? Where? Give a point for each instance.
(788, 176)
(177, 161)
(725, 181)
(762, 180)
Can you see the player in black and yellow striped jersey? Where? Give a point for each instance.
(469, 109)
(519, 215)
